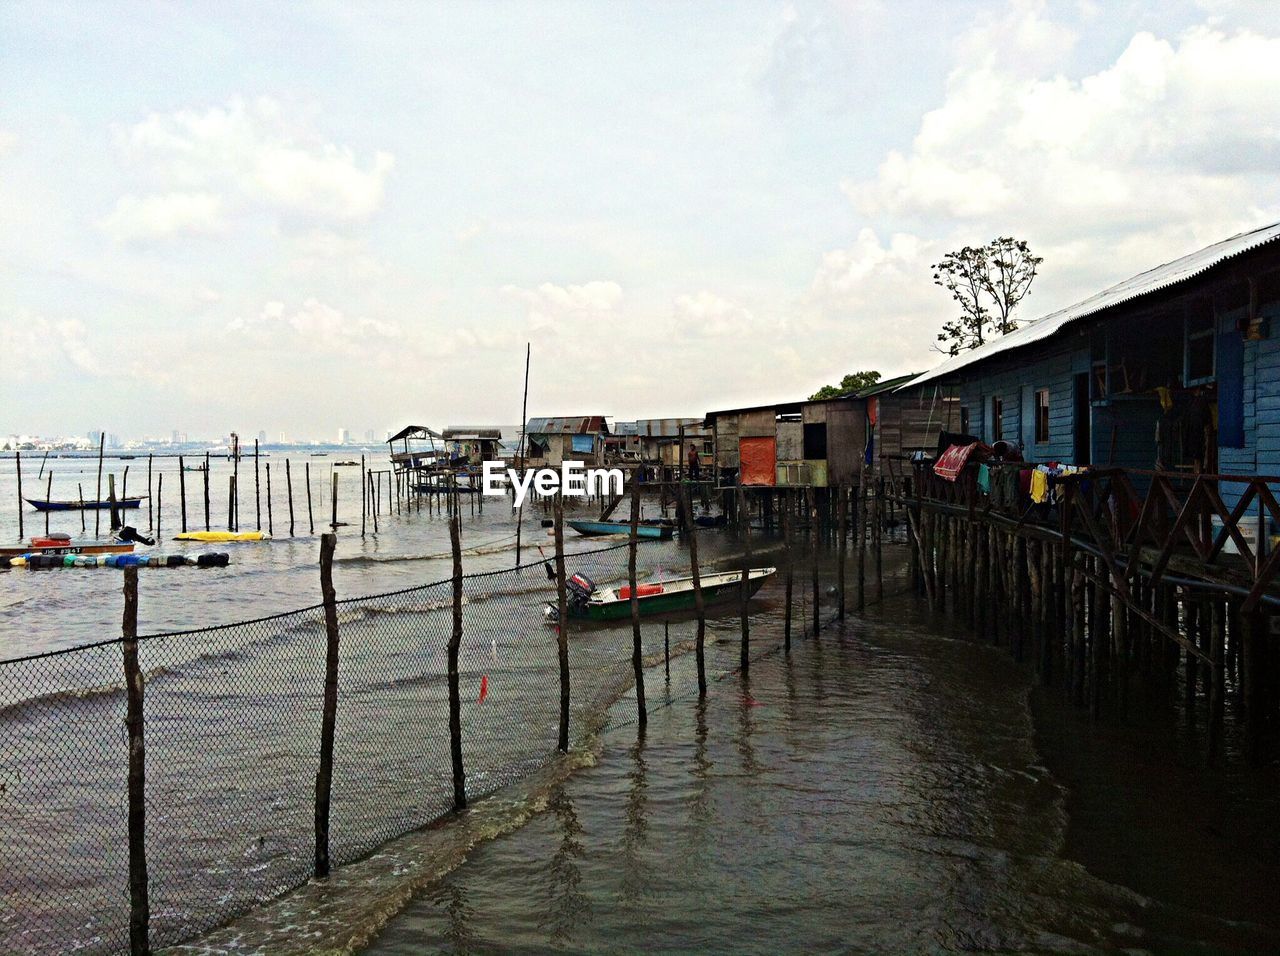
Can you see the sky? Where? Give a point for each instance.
(305, 217)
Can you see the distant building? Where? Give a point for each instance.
(262, 437)
(175, 438)
(344, 436)
(368, 437)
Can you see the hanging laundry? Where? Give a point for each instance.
(1039, 486)
(984, 479)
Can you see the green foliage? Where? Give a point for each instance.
(853, 382)
(987, 282)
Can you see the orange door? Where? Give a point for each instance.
(759, 458)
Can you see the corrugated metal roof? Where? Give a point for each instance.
(567, 425)
(626, 429)
(1153, 280)
(456, 432)
(414, 431)
(665, 427)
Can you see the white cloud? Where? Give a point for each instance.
(43, 342)
(163, 216)
(1169, 147)
(328, 253)
(568, 308)
(252, 152)
(317, 327)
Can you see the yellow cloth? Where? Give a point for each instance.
(1166, 397)
(1039, 487)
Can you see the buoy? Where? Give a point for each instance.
(484, 688)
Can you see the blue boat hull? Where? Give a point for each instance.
(82, 506)
(591, 528)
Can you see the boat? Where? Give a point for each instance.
(42, 505)
(221, 536)
(345, 464)
(655, 597)
(64, 544)
(660, 531)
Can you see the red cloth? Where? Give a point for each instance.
(952, 461)
(759, 461)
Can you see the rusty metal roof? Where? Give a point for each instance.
(568, 425)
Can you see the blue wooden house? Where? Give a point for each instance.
(1176, 369)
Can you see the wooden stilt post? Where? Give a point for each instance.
(257, 492)
(48, 496)
(288, 481)
(21, 530)
(364, 496)
(159, 502)
(206, 491)
(271, 527)
(455, 643)
(311, 520)
(637, 650)
(80, 487)
(235, 482)
(329, 711)
(562, 625)
(150, 519)
(842, 530)
(111, 501)
(139, 903)
(699, 602)
(744, 583)
(333, 491)
(97, 506)
(786, 546)
(182, 491)
(813, 553)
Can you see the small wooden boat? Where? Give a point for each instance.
(657, 597)
(63, 544)
(345, 464)
(660, 531)
(42, 505)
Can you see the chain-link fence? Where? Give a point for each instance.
(232, 730)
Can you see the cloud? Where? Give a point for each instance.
(43, 343)
(328, 253)
(316, 326)
(164, 216)
(1170, 146)
(253, 154)
(559, 309)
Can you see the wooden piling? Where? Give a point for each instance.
(206, 491)
(231, 502)
(113, 511)
(877, 533)
(842, 531)
(790, 579)
(159, 502)
(257, 493)
(562, 625)
(364, 496)
(288, 481)
(455, 643)
(271, 527)
(329, 710)
(333, 492)
(182, 491)
(139, 903)
(637, 650)
(311, 521)
(813, 548)
(150, 519)
(48, 496)
(80, 488)
(97, 505)
(21, 531)
(744, 585)
(699, 602)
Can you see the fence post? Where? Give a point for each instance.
(328, 719)
(744, 588)
(698, 601)
(562, 625)
(637, 652)
(139, 906)
(786, 546)
(455, 642)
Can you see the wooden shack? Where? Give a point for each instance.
(472, 444)
(815, 442)
(1175, 369)
(414, 447)
(551, 441)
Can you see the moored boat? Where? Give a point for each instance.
(656, 597)
(660, 531)
(42, 505)
(64, 544)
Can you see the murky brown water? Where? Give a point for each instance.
(881, 790)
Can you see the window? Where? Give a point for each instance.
(997, 418)
(1199, 344)
(1042, 416)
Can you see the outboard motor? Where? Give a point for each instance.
(130, 533)
(580, 588)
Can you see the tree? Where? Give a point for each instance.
(853, 382)
(987, 282)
